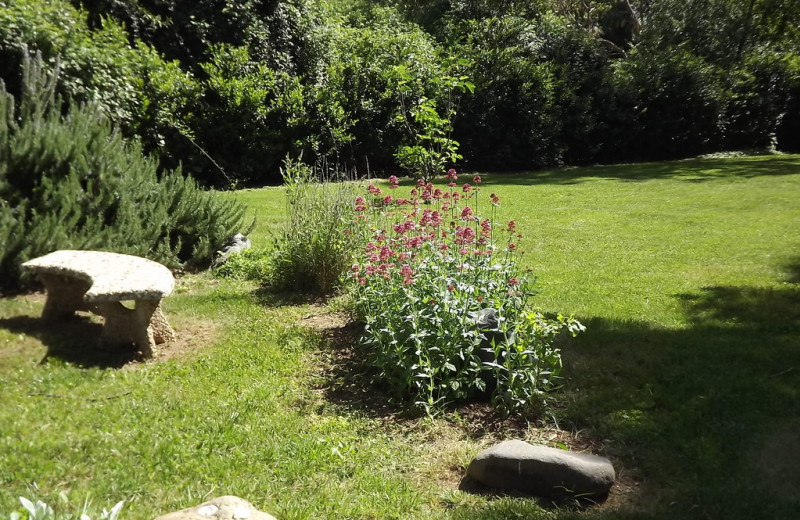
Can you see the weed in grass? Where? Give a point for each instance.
(38, 510)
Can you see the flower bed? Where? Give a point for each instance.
(445, 303)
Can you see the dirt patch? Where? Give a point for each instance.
(75, 339)
(191, 336)
(324, 321)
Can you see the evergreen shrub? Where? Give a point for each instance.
(69, 180)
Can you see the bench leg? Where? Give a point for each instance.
(126, 326)
(64, 296)
(162, 332)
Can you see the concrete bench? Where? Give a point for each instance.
(99, 282)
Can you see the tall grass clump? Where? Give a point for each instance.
(69, 180)
(445, 304)
(313, 251)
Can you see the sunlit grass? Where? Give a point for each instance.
(688, 377)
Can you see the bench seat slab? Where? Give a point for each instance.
(98, 281)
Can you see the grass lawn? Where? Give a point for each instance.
(686, 274)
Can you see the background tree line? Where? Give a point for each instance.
(229, 88)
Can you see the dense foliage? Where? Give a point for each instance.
(229, 88)
(68, 180)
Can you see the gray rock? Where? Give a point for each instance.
(543, 471)
(221, 508)
(236, 244)
(487, 319)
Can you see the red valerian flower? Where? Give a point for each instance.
(466, 188)
(486, 228)
(451, 174)
(476, 179)
(495, 199)
(393, 182)
(513, 281)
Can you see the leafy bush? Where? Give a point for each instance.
(361, 80)
(429, 148)
(250, 264)
(445, 307)
(143, 94)
(72, 182)
(512, 120)
(314, 250)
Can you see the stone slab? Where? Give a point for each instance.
(227, 507)
(543, 471)
(114, 276)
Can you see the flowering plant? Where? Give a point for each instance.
(444, 301)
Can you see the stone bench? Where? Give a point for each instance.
(99, 282)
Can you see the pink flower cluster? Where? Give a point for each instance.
(448, 228)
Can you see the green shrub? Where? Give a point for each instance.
(250, 264)
(445, 308)
(316, 247)
(72, 182)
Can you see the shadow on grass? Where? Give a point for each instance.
(73, 340)
(350, 381)
(692, 170)
(699, 412)
(269, 297)
(792, 269)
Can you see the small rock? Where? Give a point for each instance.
(236, 244)
(220, 508)
(487, 319)
(543, 471)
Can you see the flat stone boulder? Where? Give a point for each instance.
(542, 471)
(226, 507)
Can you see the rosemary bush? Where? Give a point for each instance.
(69, 180)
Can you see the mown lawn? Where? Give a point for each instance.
(687, 275)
